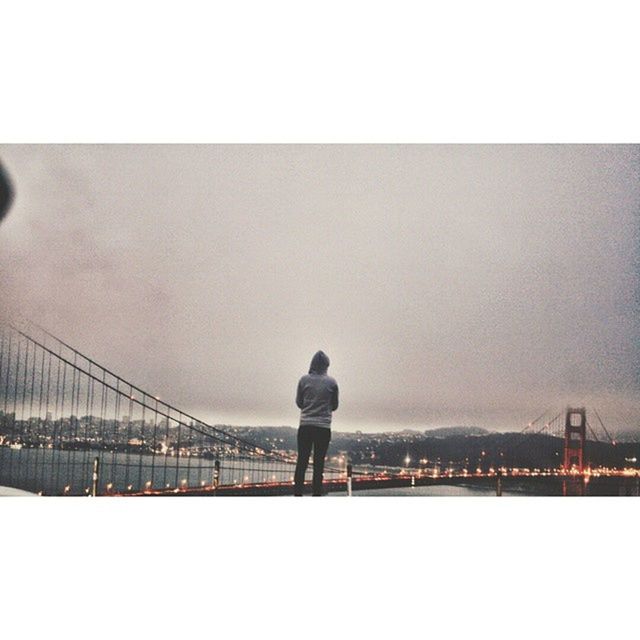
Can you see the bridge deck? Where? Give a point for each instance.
(375, 482)
(330, 486)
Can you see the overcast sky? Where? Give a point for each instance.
(449, 285)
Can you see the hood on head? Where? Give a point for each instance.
(319, 363)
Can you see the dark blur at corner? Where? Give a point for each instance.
(6, 193)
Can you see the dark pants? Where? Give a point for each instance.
(317, 438)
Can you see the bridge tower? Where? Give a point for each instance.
(575, 434)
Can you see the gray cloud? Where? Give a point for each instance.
(449, 284)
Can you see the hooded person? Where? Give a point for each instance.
(317, 399)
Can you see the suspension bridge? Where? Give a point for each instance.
(69, 426)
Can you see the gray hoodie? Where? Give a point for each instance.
(317, 393)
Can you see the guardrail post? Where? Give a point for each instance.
(499, 482)
(216, 476)
(96, 475)
(349, 479)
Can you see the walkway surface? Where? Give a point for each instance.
(10, 491)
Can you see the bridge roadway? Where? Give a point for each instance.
(362, 482)
(611, 482)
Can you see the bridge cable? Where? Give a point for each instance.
(611, 440)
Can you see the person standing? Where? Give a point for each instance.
(317, 399)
